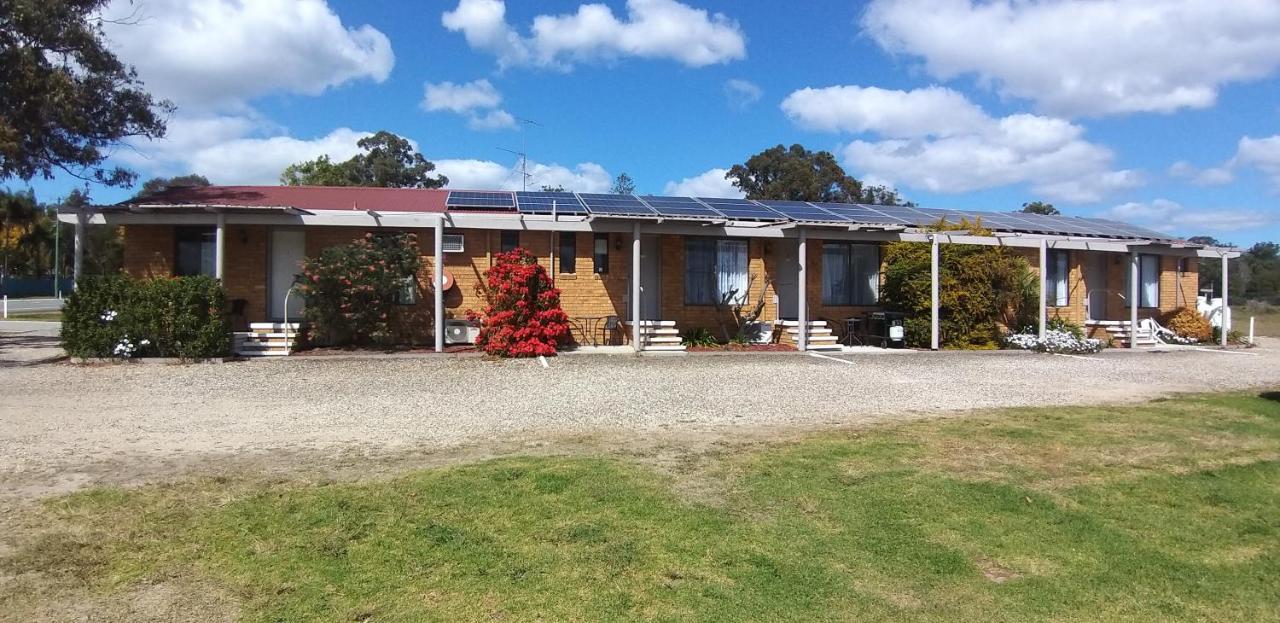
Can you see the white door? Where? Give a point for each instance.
(288, 249)
(787, 255)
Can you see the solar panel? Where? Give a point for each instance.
(1117, 229)
(742, 209)
(547, 202)
(802, 211)
(479, 199)
(616, 205)
(681, 207)
(857, 213)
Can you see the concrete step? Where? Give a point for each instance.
(664, 348)
(262, 353)
(664, 339)
(834, 346)
(275, 326)
(811, 331)
(660, 331)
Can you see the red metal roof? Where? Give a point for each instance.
(302, 197)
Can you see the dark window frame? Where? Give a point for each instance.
(194, 234)
(850, 292)
(600, 258)
(710, 275)
(509, 240)
(567, 249)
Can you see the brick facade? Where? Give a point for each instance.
(149, 252)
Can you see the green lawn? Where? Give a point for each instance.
(1165, 511)
(1267, 325)
(52, 316)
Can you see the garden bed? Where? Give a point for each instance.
(742, 348)
(328, 351)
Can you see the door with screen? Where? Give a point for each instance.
(288, 249)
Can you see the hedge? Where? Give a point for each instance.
(118, 316)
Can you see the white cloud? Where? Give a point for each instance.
(478, 101)
(662, 29)
(1171, 216)
(742, 93)
(1262, 153)
(587, 177)
(937, 140)
(1088, 57)
(711, 183)
(1212, 176)
(934, 111)
(221, 53)
(261, 160)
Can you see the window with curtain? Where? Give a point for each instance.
(850, 274)
(713, 269)
(568, 252)
(195, 250)
(1057, 291)
(1148, 281)
(600, 253)
(510, 240)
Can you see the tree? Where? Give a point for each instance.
(161, 184)
(18, 211)
(522, 316)
(1040, 207)
(353, 291)
(797, 174)
(623, 185)
(388, 161)
(67, 100)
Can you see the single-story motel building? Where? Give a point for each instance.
(660, 259)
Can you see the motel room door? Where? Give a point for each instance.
(288, 248)
(650, 279)
(788, 278)
(1095, 285)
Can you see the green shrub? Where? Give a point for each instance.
(981, 289)
(699, 336)
(1188, 323)
(1058, 323)
(118, 316)
(353, 291)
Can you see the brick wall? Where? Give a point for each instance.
(672, 250)
(148, 250)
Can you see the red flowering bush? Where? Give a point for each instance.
(523, 317)
(352, 291)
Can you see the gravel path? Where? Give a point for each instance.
(57, 420)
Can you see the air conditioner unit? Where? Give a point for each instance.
(460, 332)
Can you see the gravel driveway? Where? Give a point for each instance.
(58, 421)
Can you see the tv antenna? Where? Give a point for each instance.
(523, 154)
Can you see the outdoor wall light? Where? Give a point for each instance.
(617, 243)
(244, 236)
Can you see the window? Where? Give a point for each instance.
(195, 251)
(1056, 288)
(713, 269)
(510, 240)
(452, 243)
(568, 253)
(850, 274)
(1148, 280)
(600, 252)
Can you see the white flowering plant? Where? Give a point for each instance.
(1055, 341)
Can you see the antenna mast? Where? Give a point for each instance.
(523, 154)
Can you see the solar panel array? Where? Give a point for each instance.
(714, 209)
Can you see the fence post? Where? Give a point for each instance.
(6, 307)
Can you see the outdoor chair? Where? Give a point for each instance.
(611, 323)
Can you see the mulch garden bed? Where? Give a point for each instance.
(742, 348)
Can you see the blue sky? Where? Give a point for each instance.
(1160, 112)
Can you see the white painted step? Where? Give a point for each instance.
(825, 347)
(263, 353)
(664, 348)
(665, 339)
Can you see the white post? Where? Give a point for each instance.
(220, 247)
(1251, 330)
(438, 279)
(635, 287)
(802, 305)
(1044, 279)
(6, 307)
(1226, 309)
(935, 323)
(78, 266)
(1134, 276)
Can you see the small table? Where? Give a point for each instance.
(588, 325)
(851, 330)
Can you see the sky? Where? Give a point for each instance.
(1162, 113)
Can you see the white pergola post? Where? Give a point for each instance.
(1044, 264)
(77, 267)
(802, 305)
(437, 279)
(220, 247)
(635, 287)
(1134, 276)
(934, 305)
(1226, 311)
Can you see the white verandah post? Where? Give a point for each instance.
(934, 320)
(1226, 311)
(1134, 276)
(437, 267)
(635, 288)
(1044, 271)
(77, 267)
(802, 305)
(220, 247)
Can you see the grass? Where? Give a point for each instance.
(1165, 511)
(52, 316)
(1266, 324)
